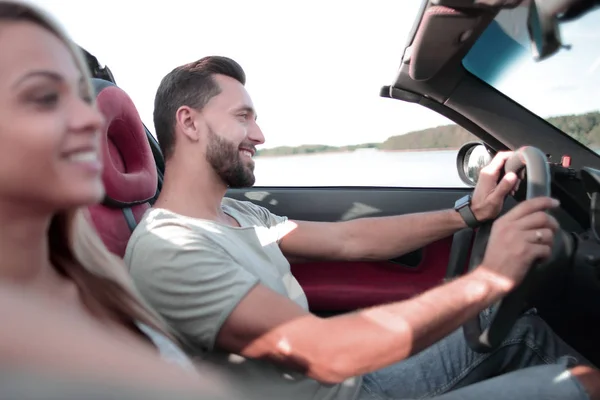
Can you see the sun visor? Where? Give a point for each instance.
(442, 35)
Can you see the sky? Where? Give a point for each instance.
(565, 83)
(314, 67)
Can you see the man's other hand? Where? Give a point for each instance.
(517, 240)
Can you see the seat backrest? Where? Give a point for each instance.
(130, 176)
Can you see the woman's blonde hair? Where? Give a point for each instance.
(76, 250)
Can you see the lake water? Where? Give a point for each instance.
(369, 167)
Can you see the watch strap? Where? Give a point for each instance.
(467, 215)
(463, 207)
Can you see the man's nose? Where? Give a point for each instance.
(256, 135)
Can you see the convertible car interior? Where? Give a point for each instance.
(455, 51)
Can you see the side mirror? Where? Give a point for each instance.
(471, 159)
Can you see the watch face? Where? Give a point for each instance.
(462, 202)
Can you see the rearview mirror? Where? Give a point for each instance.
(471, 159)
(544, 19)
(542, 25)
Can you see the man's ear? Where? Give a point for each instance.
(186, 119)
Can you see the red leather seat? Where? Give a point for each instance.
(130, 175)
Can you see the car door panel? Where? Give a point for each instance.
(342, 286)
(336, 286)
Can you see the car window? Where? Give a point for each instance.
(422, 158)
(314, 71)
(563, 89)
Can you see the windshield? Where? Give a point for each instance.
(563, 89)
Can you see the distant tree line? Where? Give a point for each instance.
(584, 128)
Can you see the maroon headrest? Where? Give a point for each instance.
(129, 174)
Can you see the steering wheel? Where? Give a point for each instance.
(506, 312)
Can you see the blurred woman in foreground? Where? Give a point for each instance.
(50, 256)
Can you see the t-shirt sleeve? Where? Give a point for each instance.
(279, 224)
(189, 280)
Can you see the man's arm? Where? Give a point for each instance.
(266, 325)
(369, 238)
(388, 237)
(334, 349)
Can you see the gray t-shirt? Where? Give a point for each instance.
(195, 272)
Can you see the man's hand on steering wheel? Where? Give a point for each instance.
(519, 238)
(512, 252)
(489, 194)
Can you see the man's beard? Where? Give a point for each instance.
(224, 157)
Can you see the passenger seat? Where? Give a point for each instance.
(130, 174)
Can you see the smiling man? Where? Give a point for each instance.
(217, 269)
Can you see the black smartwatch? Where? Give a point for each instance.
(463, 207)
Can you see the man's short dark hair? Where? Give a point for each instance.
(189, 85)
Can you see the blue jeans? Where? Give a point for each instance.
(531, 363)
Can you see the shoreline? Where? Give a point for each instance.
(367, 149)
